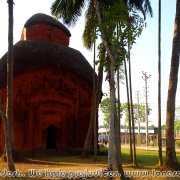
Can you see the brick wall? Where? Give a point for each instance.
(45, 32)
(49, 97)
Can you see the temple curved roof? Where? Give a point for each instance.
(29, 55)
(40, 18)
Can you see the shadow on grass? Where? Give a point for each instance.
(144, 157)
(65, 160)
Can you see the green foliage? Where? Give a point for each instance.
(177, 125)
(163, 127)
(89, 34)
(68, 11)
(151, 127)
(177, 119)
(124, 109)
(177, 114)
(120, 26)
(177, 142)
(105, 108)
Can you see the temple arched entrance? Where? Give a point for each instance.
(51, 137)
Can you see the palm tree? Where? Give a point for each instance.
(171, 160)
(8, 117)
(70, 10)
(159, 86)
(129, 112)
(88, 43)
(112, 50)
(94, 102)
(7, 156)
(132, 113)
(9, 105)
(56, 7)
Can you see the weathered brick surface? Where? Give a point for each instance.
(45, 32)
(41, 99)
(49, 96)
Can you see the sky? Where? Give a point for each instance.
(144, 54)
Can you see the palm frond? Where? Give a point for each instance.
(68, 10)
(144, 6)
(90, 26)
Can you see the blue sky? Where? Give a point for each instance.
(144, 54)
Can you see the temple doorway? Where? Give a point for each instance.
(51, 137)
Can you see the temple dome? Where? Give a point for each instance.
(35, 50)
(41, 27)
(31, 55)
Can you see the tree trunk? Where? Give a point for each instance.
(8, 117)
(94, 94)
(112, 95)
(129, 112)
(8, 150)
(117, 143)
(119, 108)
(112, 111)
(9, 105)
(171, 160)
(159, 87)
(87, 144)
(132, 113)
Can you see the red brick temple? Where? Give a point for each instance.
(53, 90)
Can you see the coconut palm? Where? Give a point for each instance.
(70, 10)
(57, 7)
(159, 86)
(9, 104)
(171, 160)
(129, 111)
(8, 117)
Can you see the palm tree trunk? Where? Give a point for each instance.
(87, 144)
(117, 140)
(8, 150)
(132, 113)
(94, 92)
(112, 61)
(119, 106)
(112, 111)
(159, 87)
(129, 112)
(8, 117)
(9, 105)
(171, 160)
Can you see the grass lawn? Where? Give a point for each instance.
(74, 167)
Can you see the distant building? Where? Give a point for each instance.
(53, 90)
(125, 136)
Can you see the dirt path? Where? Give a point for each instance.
(54, 170)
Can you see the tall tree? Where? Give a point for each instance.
(7, 156)
(94, 102)
(107, 20)
(159, 85)
(129, 112)
(171, 160)
(88, 43)
(8, 117)
(131, 108)
(9, 103)
(70, 11)
(119, 109)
